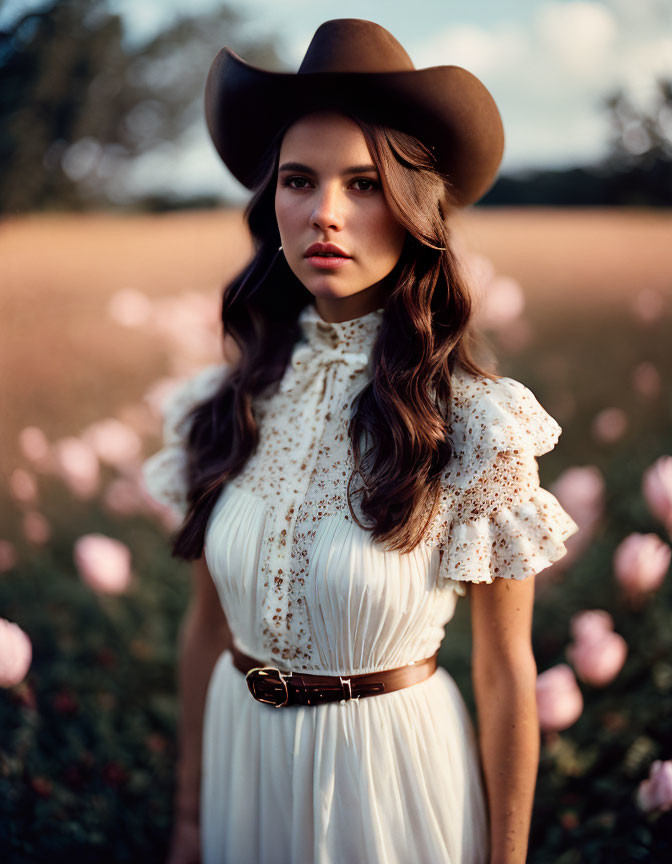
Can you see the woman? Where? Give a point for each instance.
(344, 476)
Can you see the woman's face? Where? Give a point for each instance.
(329, 191)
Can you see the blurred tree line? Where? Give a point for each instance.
(637, 170)
(77, 104)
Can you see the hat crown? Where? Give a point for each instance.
(354, 45)
(357, 67)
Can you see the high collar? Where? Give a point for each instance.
(354, 336)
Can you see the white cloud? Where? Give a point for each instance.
(642, 63)
(548, 75)
(483, 52)
(294, 51)
(580, 37)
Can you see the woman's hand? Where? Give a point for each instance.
(185, 843)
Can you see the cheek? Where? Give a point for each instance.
(386, 235)
(286, 212)
(280, 210)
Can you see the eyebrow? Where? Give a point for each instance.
(299, 166)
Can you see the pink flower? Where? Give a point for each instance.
(191, 322)
(597, 654)
(129, 307)
(503, 302)
(656, 792)
(159, 392)
(646, 380)
(648, 304)
(103, 563)
(23, 486)
(479, 269)
(559, 700)
(123, 498)
(42, 786)
(640, 564)
(113, 442)
(77, 463)
(598, 663)
(590, 624)
(657, 489)
(36, 528)
(16, 653)
(33, 443)
(499, 300)
(7, 556)
(580, 491)
(610, 425)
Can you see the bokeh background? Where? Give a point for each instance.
(119, 229)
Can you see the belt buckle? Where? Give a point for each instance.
(260, 676)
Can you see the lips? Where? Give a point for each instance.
(322, 248)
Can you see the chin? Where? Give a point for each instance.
(328, 286)
(328, 292)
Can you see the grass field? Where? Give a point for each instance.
(61, 363)
(96, 309)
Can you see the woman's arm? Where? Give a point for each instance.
(204, 635)
(504, 676)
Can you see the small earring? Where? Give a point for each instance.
(280, 248)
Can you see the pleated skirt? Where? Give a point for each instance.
(388, 779)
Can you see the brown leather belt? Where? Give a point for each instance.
(275, 687)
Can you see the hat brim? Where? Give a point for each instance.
(446, 106)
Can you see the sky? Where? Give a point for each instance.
(547, 63)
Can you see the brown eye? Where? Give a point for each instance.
(289, 180)
(371, 184)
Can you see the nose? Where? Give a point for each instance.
(328, 210)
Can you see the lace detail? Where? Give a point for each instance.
(281, 543)
(494, 518)
(301, 465)
(326, 344)
(164, 473)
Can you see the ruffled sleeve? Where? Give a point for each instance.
(165, 473)
(494, 518)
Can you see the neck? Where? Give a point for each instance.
(338, 309)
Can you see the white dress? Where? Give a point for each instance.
(387, 779)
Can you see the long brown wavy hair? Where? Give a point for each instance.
(404, 410)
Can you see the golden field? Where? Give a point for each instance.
(65, 363)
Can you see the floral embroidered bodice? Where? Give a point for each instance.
(301, 583)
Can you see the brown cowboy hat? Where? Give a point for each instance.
(359, 67)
